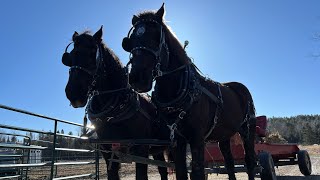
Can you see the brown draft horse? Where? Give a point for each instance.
(118, 112)
(195, 108)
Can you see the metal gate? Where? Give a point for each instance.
(16, 160)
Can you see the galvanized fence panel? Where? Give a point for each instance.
(25, 162)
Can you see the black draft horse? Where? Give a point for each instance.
(117, 111)
(195, 108)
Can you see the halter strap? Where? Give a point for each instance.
(167, 72)
(96, 93)
(91, 73)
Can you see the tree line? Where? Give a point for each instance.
(301, 129)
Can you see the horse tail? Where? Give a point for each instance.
(251, 110)
(250, 116)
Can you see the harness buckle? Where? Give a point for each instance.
(93, 83)
(95, 93)
(109, 118)
(170, 109)
(156, 72)
(172, 128)
(182, 114)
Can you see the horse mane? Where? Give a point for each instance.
(111, 60)
(175, 47)
(106, 48)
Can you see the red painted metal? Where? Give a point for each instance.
(212, 152)
(278, 151)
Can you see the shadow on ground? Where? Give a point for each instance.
(311, 177)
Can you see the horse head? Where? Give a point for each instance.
(83, 61)
(149, 52)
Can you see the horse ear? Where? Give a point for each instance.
(161, 11)
(98, 35)
(126, 44)
(75, 34)
(134, 19)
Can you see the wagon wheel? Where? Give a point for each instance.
(304, 162)
(266, 161)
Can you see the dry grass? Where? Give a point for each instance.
(312, 150)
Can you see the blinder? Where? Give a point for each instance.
(66, 60)
(127, 44)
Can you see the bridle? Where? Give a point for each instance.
(91, 73)
(94, 73)
(163, 46)
(100, 70)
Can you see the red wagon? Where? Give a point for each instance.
(268, 155)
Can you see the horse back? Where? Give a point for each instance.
(240, 90)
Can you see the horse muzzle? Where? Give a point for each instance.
(78, 104)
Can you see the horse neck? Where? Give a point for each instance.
(113, 76)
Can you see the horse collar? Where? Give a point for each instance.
(188, 94)
(120, 109)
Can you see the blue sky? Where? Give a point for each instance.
(266, 45)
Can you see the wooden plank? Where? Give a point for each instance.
(131, 158)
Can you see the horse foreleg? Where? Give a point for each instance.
(228, 158)
(162, 170)
(112, 167)
(248, 136)
(180, 160)
(142, 169)
(197, 151)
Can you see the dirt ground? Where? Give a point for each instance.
(127, 171)
(283, 173)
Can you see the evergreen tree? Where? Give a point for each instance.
(13, 139)
(297, 129)
(3, 139)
